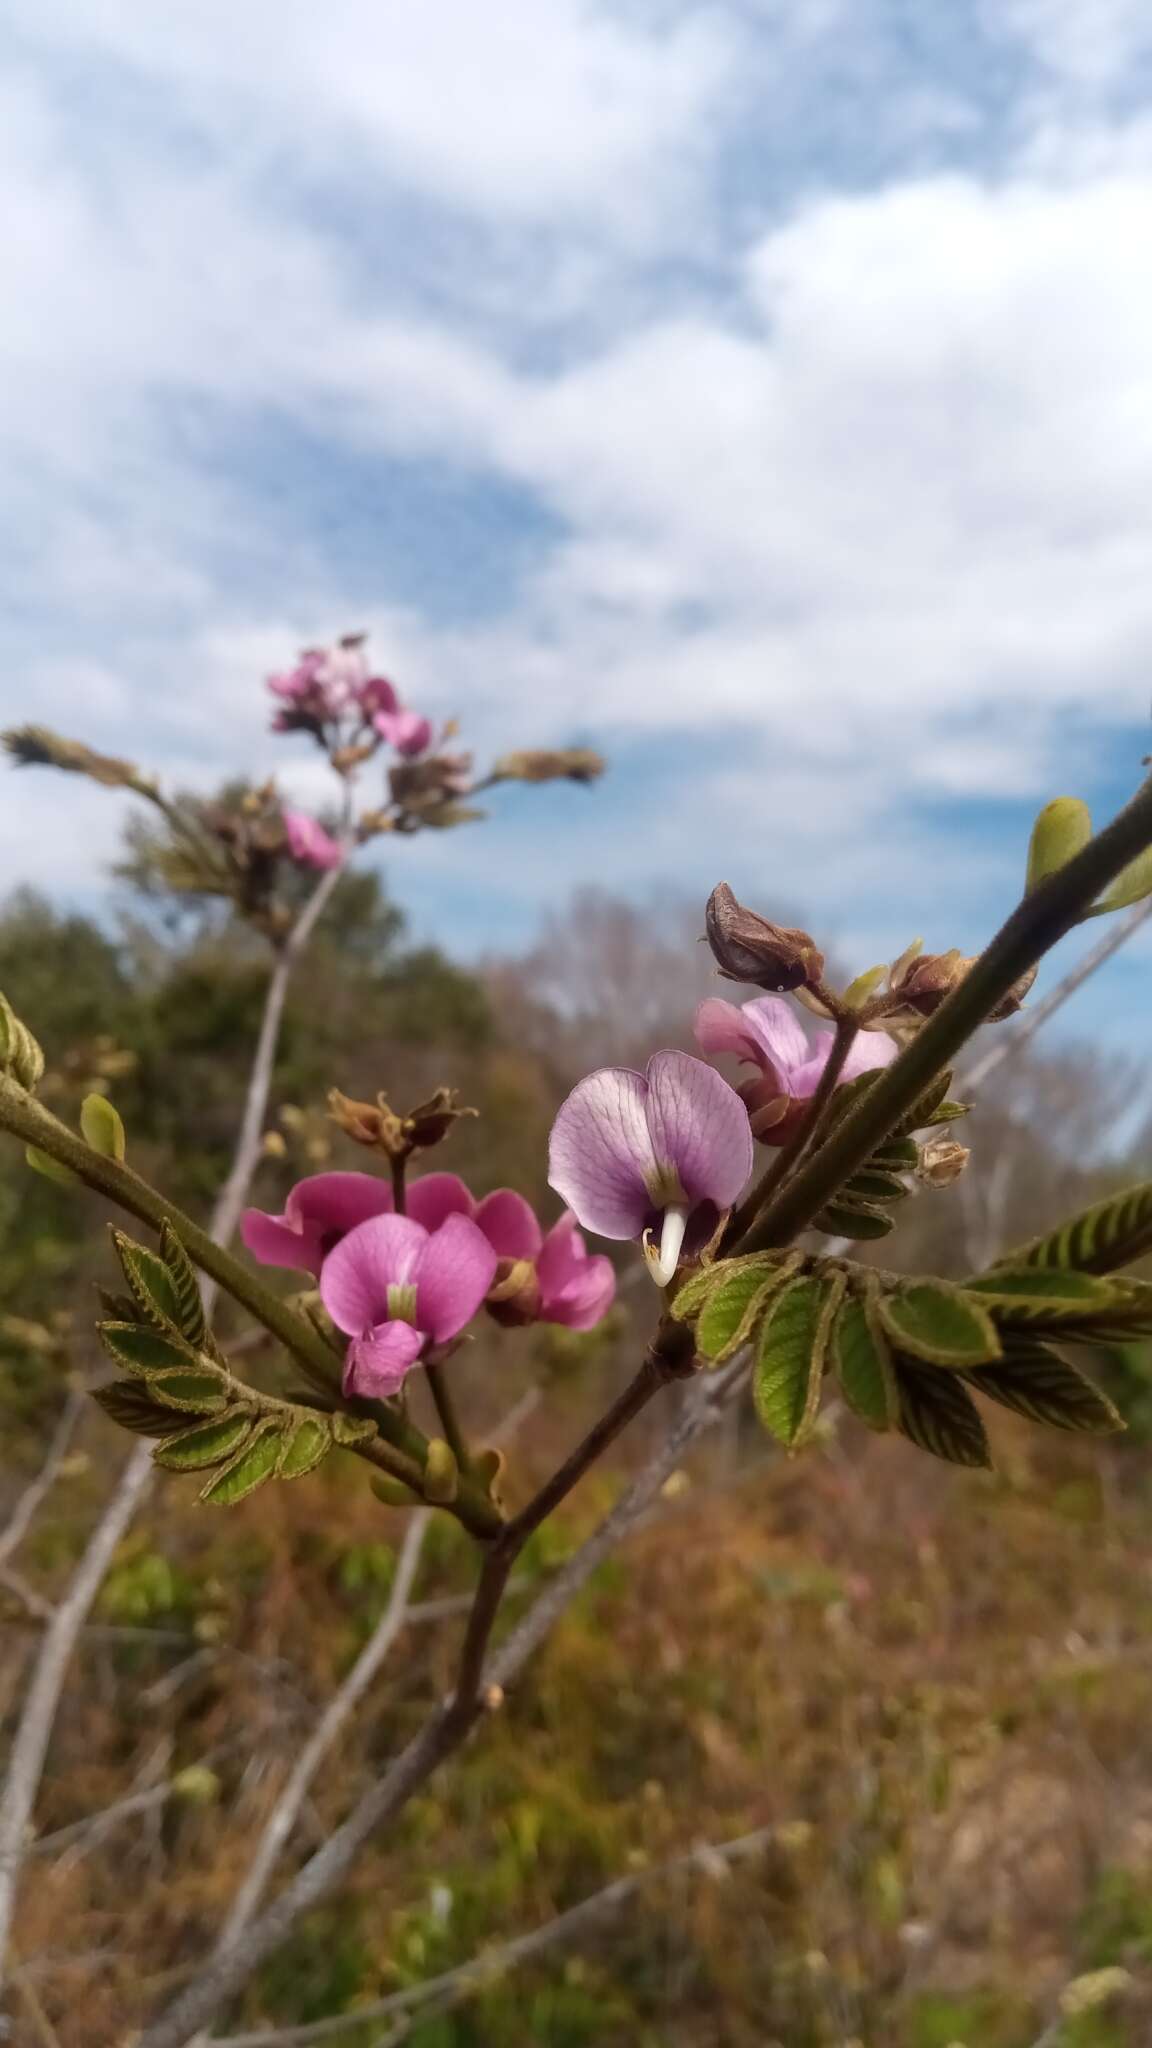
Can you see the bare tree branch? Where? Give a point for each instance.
(19, 1521)
(452, 1987)
(38, 1716)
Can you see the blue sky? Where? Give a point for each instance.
(759, 390)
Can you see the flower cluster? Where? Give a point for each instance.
(332, 694)
(399, 1287)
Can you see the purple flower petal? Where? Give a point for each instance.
(354, 1282)
(378, 1364)
(700, 1126)
(575, 1290)
(509, 1223)
(455, 1268)
(600, 1152)
(436, 1196)
(278, 1243)
(778, 1032)
(869, 1050)
(723, 1027)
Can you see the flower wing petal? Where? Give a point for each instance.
(600, 1152)
(338, 1201)
(509, 1223)
(455, 1269)
(700, 1126)
(273, 1241)
(779, 1034)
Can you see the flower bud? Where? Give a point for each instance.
(397, 1136)
(20, 1054)
(549, 764)
(34, 746)
(747, 947)
(927, 981)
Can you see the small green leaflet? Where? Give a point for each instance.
(199, 1391)
(938, 1323)
(206, 1443)
(1112, 1234)
(733, 1309)
(937, 1415)
(302, 1451)
(863, 1364)
(49, 1168)
(1045, 1296)
(186, 1287)
(873, 1185)
(254, 1463)
(847, 1218)
(789, 1367)
(1036, 1383)
(129, 1404)
(143, 1349)
(101, 1127)
(150, 1283)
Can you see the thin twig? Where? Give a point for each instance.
(282, 1821)
(452, 1987)
(225, 1973)
(20, 1519)
(42, 1699)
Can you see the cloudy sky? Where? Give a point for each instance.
(760, 390)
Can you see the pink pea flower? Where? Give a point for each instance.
(377, 695)
(309, 843)
(657, 1156)
(767, 1035)
(407, 731)
(396, 1288)
(318, 1213)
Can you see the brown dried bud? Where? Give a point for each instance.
(928, 980)
(34, 746)
(941, 1162)
(397, 1136)
(549, 764)
(747, 947)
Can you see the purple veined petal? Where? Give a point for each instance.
(435, 1196)
(722, 1027)
(700, 1126)
(377, 694)
(276, 1242)
(377, 1255)
(575, 1290)
(453, 1273)
(408, 731)
(600, 1152)
(778, 1032)
(378, 1364)
(509, 1223)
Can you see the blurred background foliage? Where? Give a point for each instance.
(934, 1687)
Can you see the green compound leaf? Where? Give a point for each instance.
(937, 1415)
(733, 1309)
(789, 1368)
(143, 1349)
(1112, 1234)
(847, 1218)
(185, 1287)
(308, 1443)
(932, 1320)
(252, 1465)
(1036, 1383)
(1046, 1297)
(128, 1403)
(101, 1127)
(149, 1281)
(206, 1443)
(863, 1364)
